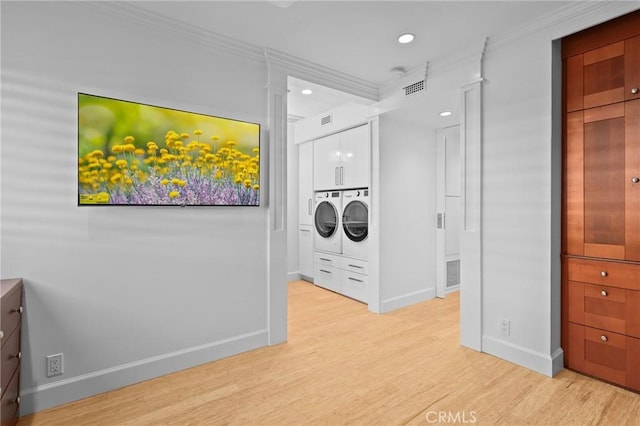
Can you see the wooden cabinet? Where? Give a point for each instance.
(10, 355)
(341, 160)
(601, 201)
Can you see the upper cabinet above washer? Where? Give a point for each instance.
(341, 160)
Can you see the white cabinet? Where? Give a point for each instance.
(341, 160)
(305, 184)
(342, 274)
(305, 251)
(326, 272)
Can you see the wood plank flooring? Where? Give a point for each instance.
(346, 366)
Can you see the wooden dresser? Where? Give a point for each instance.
(10, 328)
(601, 201)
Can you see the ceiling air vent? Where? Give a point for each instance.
(414, 88)
(325, 120)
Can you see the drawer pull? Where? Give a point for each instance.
(325, 271)
(603, 338)
(1, 334)
(604, 274)
(356, 266)
(18, 310)
(17, 356)
(604, 293)
(635, 179)
(634, 90)
(356, 280)
(325, 260)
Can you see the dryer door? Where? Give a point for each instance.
(326, 219)
(355, 220)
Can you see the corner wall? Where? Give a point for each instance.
(126, 293)
(407, 211)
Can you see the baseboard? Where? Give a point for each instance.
(74, 388)
(294, 276)
(547, 364)
(394, 303)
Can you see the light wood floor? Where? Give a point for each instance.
(346, 366)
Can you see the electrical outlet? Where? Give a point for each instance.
(54, 365)
(505, 327)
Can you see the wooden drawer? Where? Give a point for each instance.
(355, 285)
(355, 265)
(11, 402)
(612, 274)
(9, 359)
(606, 355)
(11, 312)
(608, 308)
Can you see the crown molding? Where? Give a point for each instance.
(294, 66)
(566, 20)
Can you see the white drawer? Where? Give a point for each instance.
(327, 277)
(355, 286)
(326, 259)
(355, 265)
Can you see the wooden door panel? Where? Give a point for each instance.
(573, 78)
(632, 171)
(632, 68)
(604, 188)
(574, 184)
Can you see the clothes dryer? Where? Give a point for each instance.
(355, 223)
(327, 221)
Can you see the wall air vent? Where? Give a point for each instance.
(414, 88)
(325, 120)
(453, 273)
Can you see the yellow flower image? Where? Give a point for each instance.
(154, 155)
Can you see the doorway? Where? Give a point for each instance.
(448, 187)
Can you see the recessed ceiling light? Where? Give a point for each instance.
(406, 38)
(307, 91)
(445, 113)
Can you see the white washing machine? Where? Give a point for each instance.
(355, 223)
(327, 223)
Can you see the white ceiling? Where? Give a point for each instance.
(358, 38)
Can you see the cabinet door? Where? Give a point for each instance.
(604, 76)
(305, 250)
(602, 188)
(326, 163)
(354, 144)
(305, 183)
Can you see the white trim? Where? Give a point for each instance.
(546, 364)
(62, 391)
(398, 302)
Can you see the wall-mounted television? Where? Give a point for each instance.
(131, 153)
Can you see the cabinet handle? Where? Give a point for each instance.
(336, 176)
(17, 400)
(356, 280)
(309, 206)
(603, 338)
(18, 310)
(604, 274)
(604, 293)
(325, 271)
(634, 90)
(341, 175)
(356, 266)
(635, 179)
(1, 334)
(305, 230)
(17, 356)
(326, 260)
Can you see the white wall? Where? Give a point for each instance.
(521, 182)
(407, 211)
(126, 293)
